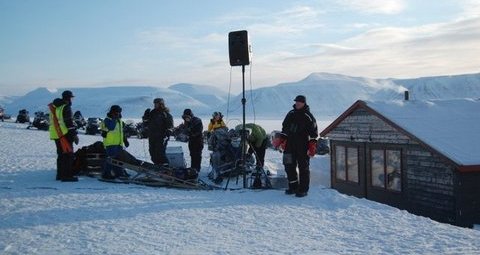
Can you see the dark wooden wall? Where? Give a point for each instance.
(429, 180)
(468, 198)
(362, 126)
(430, 185)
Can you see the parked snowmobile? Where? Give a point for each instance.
(93, 126)
(226, 155)
(322, 146)
(79, 120)
(129, 129)
(2, 114)
(41, 121)
(141, 130)
(142, 127)
(23, 116)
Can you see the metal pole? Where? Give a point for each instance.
(242, 142)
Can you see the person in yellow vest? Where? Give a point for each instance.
(63, 132)
(113, 141)
(216, 122)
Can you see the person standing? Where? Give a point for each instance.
(113, 140)
(299, 130)
(160, 124)
(62, 131)
(194, 129)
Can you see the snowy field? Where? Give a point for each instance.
(42, 216)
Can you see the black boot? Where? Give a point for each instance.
(292, 188)
(301, 194)
(70, 179)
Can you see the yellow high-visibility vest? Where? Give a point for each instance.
(114, 137)
(61, 123)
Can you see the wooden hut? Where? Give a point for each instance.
(422, 156)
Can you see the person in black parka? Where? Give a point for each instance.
(194, 130)
(299, 128)
(160, 124)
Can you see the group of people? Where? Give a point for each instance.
(297, 139)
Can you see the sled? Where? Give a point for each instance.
(158, 176)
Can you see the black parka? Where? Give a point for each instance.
(299, 126)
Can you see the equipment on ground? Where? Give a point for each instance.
(93, 126)
(40, 121)
(78, 120)
(129, 129)
(23, 116)
(322, 146)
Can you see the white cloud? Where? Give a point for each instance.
(292, 21)
(470, 7)
(375, 6)
(398, 52)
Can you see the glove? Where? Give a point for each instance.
(283, 145)
(126, 143)
(312, 147)
(279, 141)
(75, 139)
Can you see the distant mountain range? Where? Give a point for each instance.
(330, 94)
(134, 99)
(327, 94)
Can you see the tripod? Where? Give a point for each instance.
(260, 170)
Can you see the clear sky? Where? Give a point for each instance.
(66, 43)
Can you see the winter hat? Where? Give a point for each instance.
(300, 98)
(116, 108)
(187, 112)
(158, 101)
(67, 94)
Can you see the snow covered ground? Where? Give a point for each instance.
(42, 216)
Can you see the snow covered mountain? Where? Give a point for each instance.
(6, 100)
(133, 100)
(208, 95)
(327, 94)
(330, 94)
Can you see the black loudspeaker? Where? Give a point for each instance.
(238, 48)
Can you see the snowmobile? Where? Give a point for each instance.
(79, 120)
(141, 130)
(41, 121)
(129, 129)
(225, 159)
(322, 146)
(2, 114)
(23, 116)
(93, 126)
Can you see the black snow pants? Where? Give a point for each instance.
(195, 146)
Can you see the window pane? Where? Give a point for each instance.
(352, 161)
(394, 170)
(340, 162)
(377, 161)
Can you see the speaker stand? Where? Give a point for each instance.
(243, 139)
